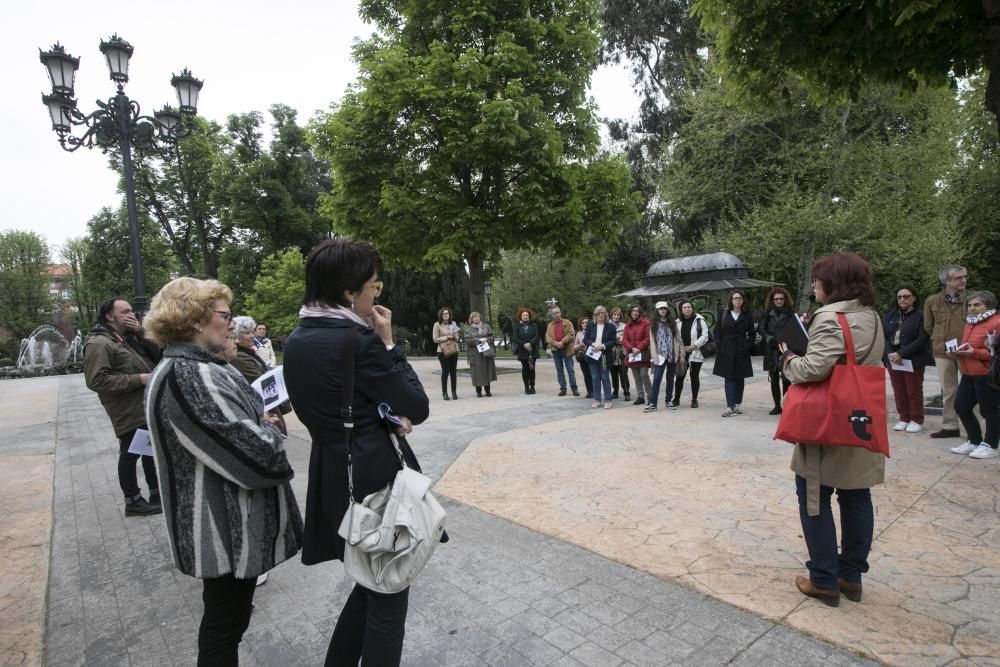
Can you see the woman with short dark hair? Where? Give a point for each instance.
(526, 343)
(635, 340)
(579, 352)
(732, 361)
(843, 283)
(907, 344)
(619, 373)
(340, 314)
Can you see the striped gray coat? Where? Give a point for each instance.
(224, 475)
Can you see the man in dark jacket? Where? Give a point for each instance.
(117, 361)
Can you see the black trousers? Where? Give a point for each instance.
(449, 369)
(370, 629)
(126, 469)
(619, 378)
(588, 378)
(779, 386)
(528, 373)
(228, 604)
(975, 390)
(695, 370)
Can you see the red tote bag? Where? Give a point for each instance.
(845, 410)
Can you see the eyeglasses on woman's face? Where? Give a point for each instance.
(779, 299)
(227, 315)
(377, 287)
(904, 297)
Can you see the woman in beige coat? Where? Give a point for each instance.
(843, 283)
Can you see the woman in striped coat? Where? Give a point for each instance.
(224, 476)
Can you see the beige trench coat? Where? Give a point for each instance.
(839, 467)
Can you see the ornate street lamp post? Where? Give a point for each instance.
(487, 290)
(117, 122)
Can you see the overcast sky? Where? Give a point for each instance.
(251, 54)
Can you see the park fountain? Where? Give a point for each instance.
(47, 352)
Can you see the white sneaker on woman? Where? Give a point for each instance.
(914, 427)
(965, 448)
(983, 451)
(900, 426)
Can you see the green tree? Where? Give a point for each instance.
(74, 252)
(107, 265)
(24, 298)
(780, 187)
(470, 132)
(840, 47)
(278, 290)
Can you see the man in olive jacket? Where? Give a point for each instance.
(944, 320)
(117, 361)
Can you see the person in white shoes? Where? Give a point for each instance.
(974, 355)
(908, 352)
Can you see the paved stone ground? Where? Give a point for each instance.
(497, 594)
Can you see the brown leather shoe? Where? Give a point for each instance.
(947, 433)
(827, 597)
(851, 591)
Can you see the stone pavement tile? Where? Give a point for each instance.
(564, 639)
(608, 638)
(672, 646)
(642, 654)
(539, 651)
(594, 656)
(498, 656)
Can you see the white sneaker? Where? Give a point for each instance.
(729, 412)
(900, 426)
(965, 448)
(983, 451)
(914, 427)
(262, 579)
(738, 410)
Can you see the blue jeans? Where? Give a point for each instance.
(857, 524)
(658, 373)
(562, 357)
(734, 392)
(601, 378)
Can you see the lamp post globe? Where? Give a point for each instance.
(118, 123)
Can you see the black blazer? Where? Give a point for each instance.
(914, 343)
(609, 337)
(314, 378)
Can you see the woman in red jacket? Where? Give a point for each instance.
(635, 341)
(974, 356)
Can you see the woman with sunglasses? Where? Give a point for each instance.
(778, 307)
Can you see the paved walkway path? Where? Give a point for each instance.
(509, 589)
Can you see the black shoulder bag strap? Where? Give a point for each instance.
(347, 401)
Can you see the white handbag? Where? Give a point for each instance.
(391, 534)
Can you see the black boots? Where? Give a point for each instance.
(139, 507)
(444, 395)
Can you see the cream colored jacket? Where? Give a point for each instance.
(839, 467)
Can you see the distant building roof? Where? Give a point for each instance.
(59, 270)
(696, 273)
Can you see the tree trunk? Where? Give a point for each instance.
(477, 277)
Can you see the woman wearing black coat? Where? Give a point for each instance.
(339, 311)
(527, 343)
(778, 307)
(906, 340)
(736, 334)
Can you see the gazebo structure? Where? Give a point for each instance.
(702, 279)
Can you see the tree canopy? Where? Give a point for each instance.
(24, 298)
(469, 132)
(839, 46)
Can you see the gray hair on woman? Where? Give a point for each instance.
(601, 309)
(988, 298)
(243, 324)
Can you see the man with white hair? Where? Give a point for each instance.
(944, 320)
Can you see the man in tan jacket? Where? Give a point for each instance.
(559, 336)
(944, 319)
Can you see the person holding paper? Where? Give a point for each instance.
(619, 373)
(482, 363)
(693, 332)
(227, 498)
(445, 334)
(600, 339)
(908, 352)
(527, 343)
(732, 362)
(665, 345)
(117, 362)
(635, 340)
(944, 317)
(974, 356)
(778, 305)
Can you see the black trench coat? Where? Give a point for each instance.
(734, 338)
(313, 376)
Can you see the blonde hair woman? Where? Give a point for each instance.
(599, 341)
(216, 450)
